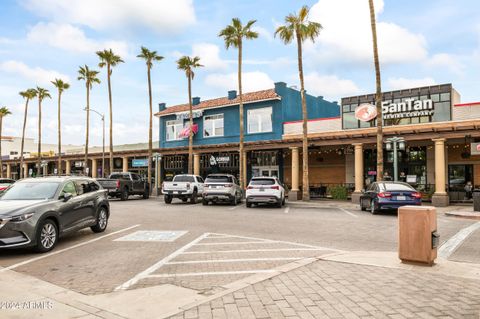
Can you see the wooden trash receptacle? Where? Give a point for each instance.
(417, 234)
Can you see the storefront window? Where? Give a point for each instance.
(442, 112)
(259, 120)
(349, 120)
(173, 129)
(213, 125)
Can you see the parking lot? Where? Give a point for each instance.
(149, 243)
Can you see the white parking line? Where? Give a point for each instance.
(449, 247)
(287, 209)
(257, 250)
(235, 207)
(349, 213)
(56, 252)
(233, 243)
(159, 264)
(229, 260)
(189, 274)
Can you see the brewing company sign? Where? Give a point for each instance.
(407, 108)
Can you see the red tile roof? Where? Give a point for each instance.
(223, 101)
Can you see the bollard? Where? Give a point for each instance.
(417, 234)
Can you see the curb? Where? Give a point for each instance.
(464, 215)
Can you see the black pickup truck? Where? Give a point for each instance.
(122, 185)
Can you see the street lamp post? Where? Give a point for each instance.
(102, 116)
(397, 143)
(157, 157)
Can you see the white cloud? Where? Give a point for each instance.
(252, 81)
(446, 61)
(347, 36)
(209, 56)
(329, 86)
(404, 83)
(163, 16)
(68, 37)
(263, 33)
(35, 74)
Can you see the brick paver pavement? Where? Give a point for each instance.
(326, 289)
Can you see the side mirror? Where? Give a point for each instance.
(66, 197)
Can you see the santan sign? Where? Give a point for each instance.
(407, 108)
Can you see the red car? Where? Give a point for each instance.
(5, 183)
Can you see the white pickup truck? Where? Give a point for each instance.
(184, 187)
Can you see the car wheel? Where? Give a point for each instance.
(204, 202)
(372, 207)
(184, 199)
(248, 204)
(283, 201)
(146, 193)
(167, 199)
(234, 201)
(124, 195)
(193, 198)
(363, 208)
(102, 221)
(47, 236)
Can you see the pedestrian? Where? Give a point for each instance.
(468, 190)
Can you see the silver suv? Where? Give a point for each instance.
(222, 188)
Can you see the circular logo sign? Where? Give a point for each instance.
(365, 112)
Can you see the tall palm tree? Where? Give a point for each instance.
(233, 35)
(109, 60)
(4, 111)
(378, 95)
(149, 57)
(61, 86)
(27, 95)
(299, 27)
(188, 64)
(90, 77)
(41, 95)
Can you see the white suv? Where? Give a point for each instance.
(221, 188)
(265, 190)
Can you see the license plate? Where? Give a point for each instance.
(262, 189)
(401, 198)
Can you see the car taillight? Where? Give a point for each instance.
(384, 194)
(417, 195)
(275, 187)
(118, 184)
(249, 187)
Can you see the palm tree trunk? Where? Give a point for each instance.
(378, 95)
(23, 139)
(85, 166)
(240, 113)
(1, 161)
(39, 160)
(150, 125)
(109, 72)
(59, 164)
(305, 182)
(190, 134)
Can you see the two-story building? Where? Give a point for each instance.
(216, 123)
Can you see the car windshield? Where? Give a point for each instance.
(119, 176)
(262, 181)
(183, 178)
(31, 191)
(397, 187)
(219, 179)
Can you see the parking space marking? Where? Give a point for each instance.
(449, 247)
(256, 250)
(232, 243)
(189, 274)
(287, 209)
(153, 268)
(230, 260)
(235, 207)
(56, 252)
(347, 212)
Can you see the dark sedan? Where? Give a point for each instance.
(389, 195)
(35, 212)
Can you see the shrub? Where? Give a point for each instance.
(338, 192)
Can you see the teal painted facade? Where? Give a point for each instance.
(285, 109)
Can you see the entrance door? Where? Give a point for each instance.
(458, 177)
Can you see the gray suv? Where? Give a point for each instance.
(35, 212)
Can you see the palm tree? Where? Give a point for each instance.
(109, 59)
(41, 95)
(300, 28)
(27, 95)
(233, 35)
(90, 77)
(149, 57)
(4, 111)
(187, 64)
(378, 95)
(61, 86)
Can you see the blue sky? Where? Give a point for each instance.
(421, 43)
